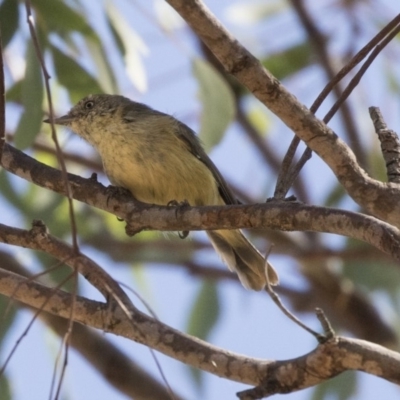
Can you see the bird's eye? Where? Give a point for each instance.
(89, 104)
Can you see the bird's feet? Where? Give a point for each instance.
(179, 204)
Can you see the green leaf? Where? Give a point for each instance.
(335, 195)
(7, 308)
(106, 78)
(218, 103)
(14, 93)
(134, 47)
(203, 316)
(9, 192)
(372, 274)
(341, 387)
(32, 99)
(117, 39)
(9, 16)
(76, 79)
(56, 16)
(5, 392)
(289, 61)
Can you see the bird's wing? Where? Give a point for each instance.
(193, 144)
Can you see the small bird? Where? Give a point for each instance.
(159, 159)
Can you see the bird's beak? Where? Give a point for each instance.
(64, 120)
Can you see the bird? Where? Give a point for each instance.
(159, 159)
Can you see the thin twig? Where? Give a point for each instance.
(390, 145)
(276, 299)
(329, 333)
(355, 81)
(379, 42)
(282, 184)
(152, 352)
(25, 332)
(67, 337)
(355, 61)
(319, 41)
(60, 158)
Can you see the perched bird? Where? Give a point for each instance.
(159, 159)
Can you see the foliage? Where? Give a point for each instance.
(122, 49)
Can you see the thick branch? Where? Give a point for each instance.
(283, 216)
(326, 361)
(106, 358)
(378, 198)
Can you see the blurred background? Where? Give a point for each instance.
(143, 50)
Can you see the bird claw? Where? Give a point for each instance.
(179, 204)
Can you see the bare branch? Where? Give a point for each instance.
(326, 361)
(111, 362)
(390, 145)
(60, 157)
(282, 216)
(39, 239)
(378, 198)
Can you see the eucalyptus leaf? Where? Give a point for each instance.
(7, 310)
(32, 100)
(106, 78)
(218, 103)
(289, 61)
(342, 387)
(5, 392)
(14, 93)
(203, 317)
(74, 77)
(57, 16)
(9, 16)
(134, 47)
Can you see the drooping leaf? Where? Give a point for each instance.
(335, 195)
(9, 16)
(218, 103)
(203, 317)
(289, 61)
(14, 93)
(74, 77)
(57, 16)
(106, 77)
(342, 387)
(7, 308)
(134, 47)
(371, 273)
(32, 100)
(5, 392)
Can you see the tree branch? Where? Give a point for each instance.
(106, 358)
(380, 199)
(326, 361)
(139, 216)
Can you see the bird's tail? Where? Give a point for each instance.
(243, 258)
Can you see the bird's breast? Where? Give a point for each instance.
(158, 170)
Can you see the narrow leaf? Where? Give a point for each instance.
(56, 16)
(32, 99)
(203, 317)
(218, 103)
(289, 61)
(134, 47)
(9, 15)
(74, 77)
